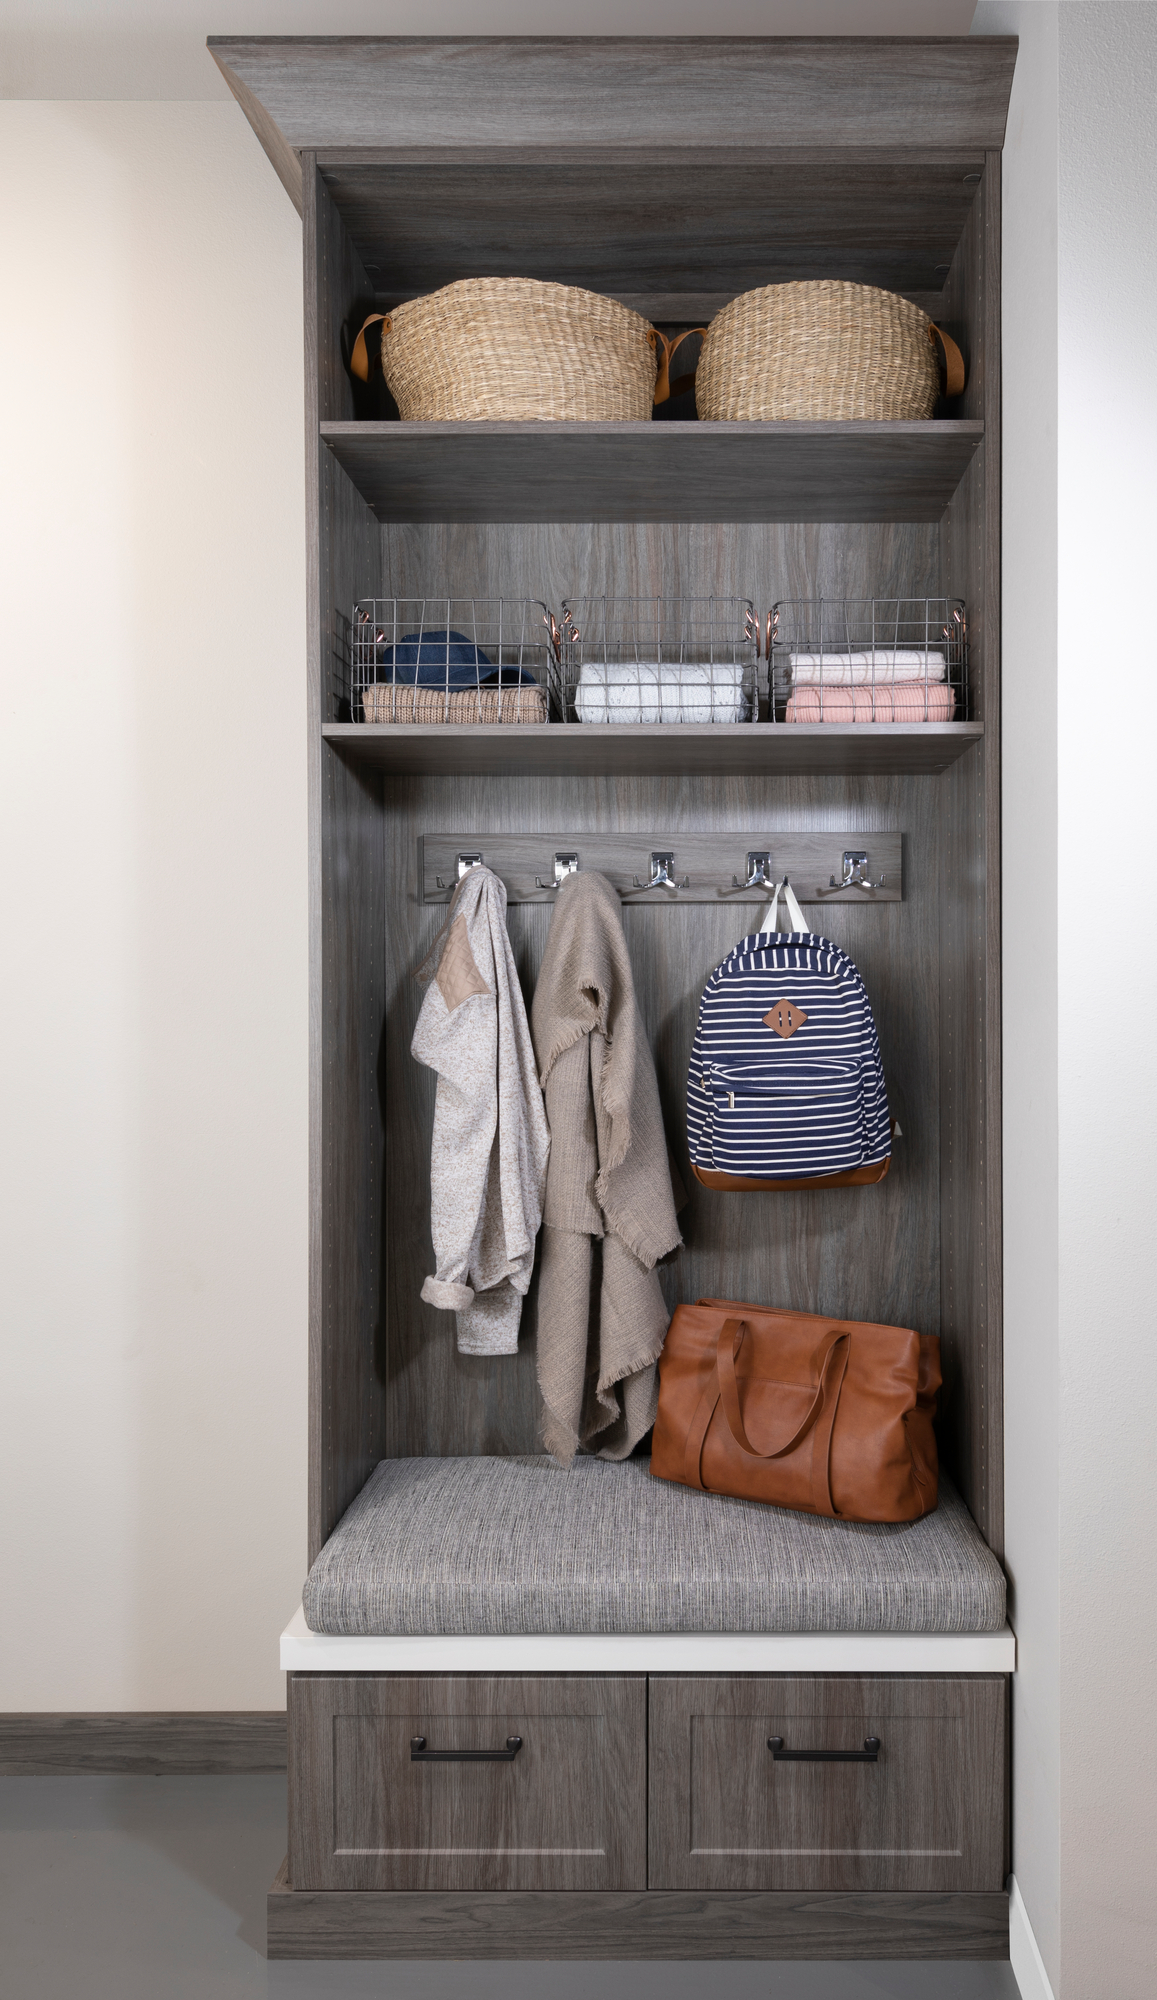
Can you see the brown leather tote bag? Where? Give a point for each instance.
(824, 1415)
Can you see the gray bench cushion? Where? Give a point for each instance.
(519, 1545)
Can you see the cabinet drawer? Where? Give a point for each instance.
(566, 1811)
(928, 1814)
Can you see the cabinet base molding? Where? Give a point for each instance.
(648, 1924)
(143, 1743)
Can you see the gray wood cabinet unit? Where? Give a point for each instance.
(671, 174)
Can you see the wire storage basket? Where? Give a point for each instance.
(873, 659)
(660, 660)
(454, 660)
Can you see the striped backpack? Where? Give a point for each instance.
(786, 1086)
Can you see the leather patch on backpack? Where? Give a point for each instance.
(785, 1017)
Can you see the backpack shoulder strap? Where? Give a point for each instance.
(769, 920)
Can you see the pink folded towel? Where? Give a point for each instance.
(910, 702)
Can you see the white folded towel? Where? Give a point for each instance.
(642, 691)
(884, 664)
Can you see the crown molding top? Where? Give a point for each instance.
(894, 94)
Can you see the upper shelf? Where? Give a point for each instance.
(655, 471)
(669, 750)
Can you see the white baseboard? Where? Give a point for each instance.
(1028, 1967)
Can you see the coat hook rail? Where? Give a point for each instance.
(860, 866)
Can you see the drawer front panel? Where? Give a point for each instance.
(927, 1814)
(566, 1811)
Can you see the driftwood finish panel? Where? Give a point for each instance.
(438, 94)
(928, 1814)
(567, 1811)
(142, 1743)
(668, 472)
(610, 224)
(669, 750)
(861, 1253)
(871, 1254)
(346, 958)
(651, 1925)
(970, 1041)
(759, 560)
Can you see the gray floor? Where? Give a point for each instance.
(138, 1888)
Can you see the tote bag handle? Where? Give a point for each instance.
(722, 1387)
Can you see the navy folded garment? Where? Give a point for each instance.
(445, 659)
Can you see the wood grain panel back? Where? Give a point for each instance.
(862, 1253)
(759, 560)
(419, 225)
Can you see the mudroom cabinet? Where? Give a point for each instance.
(729, 1790)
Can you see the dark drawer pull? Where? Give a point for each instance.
(868, 1755)
(420, 1755)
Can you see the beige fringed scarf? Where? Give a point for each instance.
(608, 1182)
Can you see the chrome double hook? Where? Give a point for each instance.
(759, 875)
(465, 863)
(663, 875)
(855, 875)
(564, 865)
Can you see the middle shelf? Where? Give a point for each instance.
(664, 750)
(508, 472)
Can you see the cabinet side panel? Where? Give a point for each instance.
(970, 916)
(346, 1418)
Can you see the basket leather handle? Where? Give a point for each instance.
(663, 378)
(359, 358)
(953, 359)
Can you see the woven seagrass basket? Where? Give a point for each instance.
(514, 349)
(823, 349)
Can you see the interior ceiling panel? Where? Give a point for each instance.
(651, 229)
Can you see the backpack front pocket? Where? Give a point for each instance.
(786, 1119)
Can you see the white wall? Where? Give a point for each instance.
(156, 48)
(152, 908)
(1107, 546)
(152, 863)
(152, 838)
(1080, 527)
(1029, 838)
